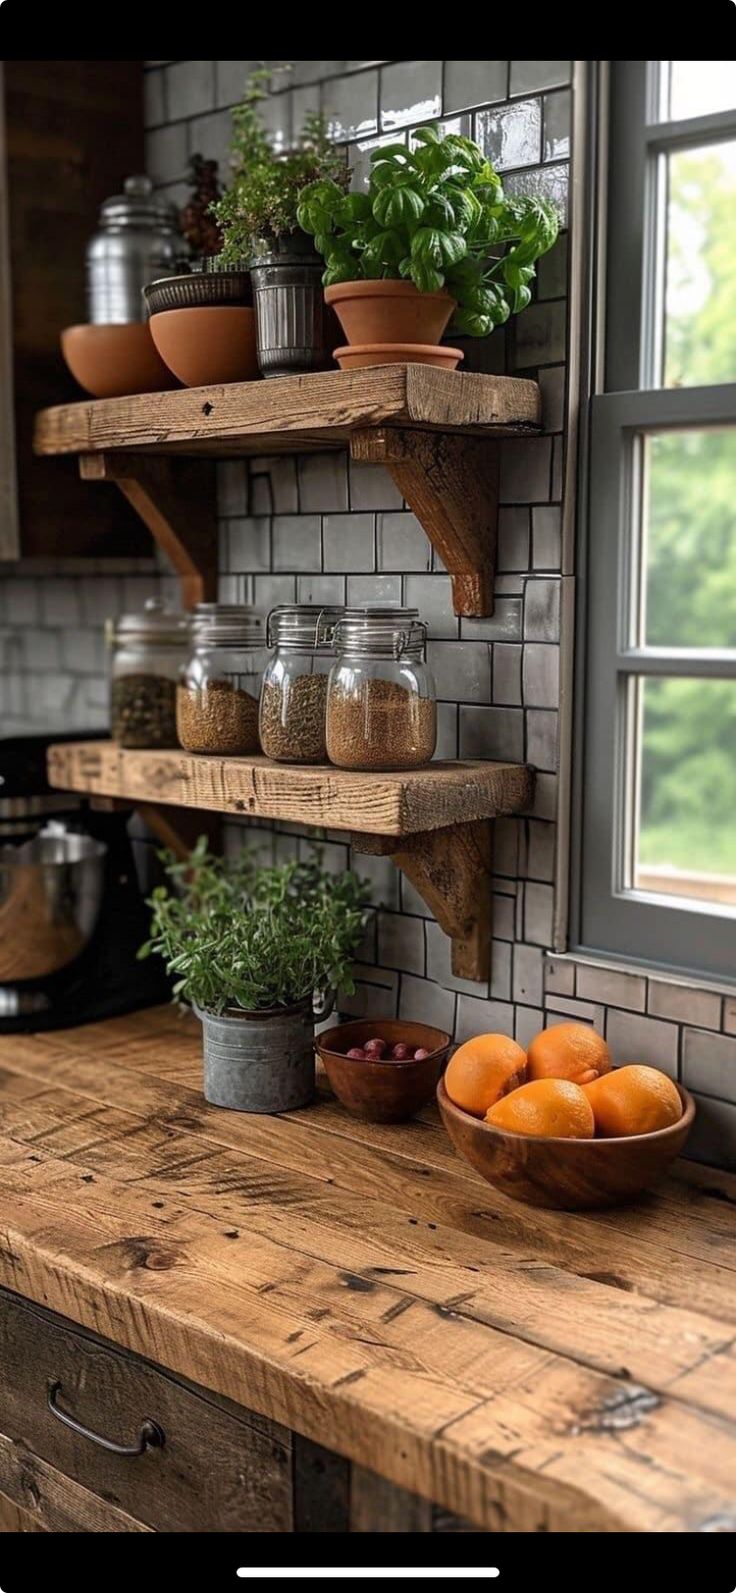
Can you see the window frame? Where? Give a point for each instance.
(611, 919)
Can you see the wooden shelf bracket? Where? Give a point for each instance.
(175, 497)
(451, 870)
(450, 481)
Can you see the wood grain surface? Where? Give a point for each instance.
(318, 409)
(388, 804)
(358, 1283)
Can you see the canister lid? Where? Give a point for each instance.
(380, 632)
(155, 623)
(306, 626)
(138, 206)
(235, 623)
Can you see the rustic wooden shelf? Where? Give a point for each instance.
(435, 823)
(531, 1370)
(437, 432)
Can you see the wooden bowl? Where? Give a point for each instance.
(209, 344)
(112, 361)
(565, 1174)
(383, 1092)
(355, 355)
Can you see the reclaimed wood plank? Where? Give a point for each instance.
(43, 1499)
(321, 407)
(389, 804)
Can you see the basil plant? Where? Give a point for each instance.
(435, 215)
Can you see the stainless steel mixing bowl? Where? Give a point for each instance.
(50, 894)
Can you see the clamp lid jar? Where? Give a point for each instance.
(381, 707)
(293, 705)
(146, 654)
(217, 695)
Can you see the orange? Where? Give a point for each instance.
(633, 1100)
(482, 1070)
(568, 1051)
(553, 1107)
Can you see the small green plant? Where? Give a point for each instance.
(237, 934)
(263, 197)
(436, 215)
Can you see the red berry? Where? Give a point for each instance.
(420, 1055)
(357, 1053)
(400, 1052)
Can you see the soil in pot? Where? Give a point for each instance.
(212, 344)
(389, 312)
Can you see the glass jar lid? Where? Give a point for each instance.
(305, 626)
(164, 626)
(139, 205)
(381, 632)
(232, 624)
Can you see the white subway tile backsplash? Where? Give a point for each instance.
(538, 913)
(471, 83)
(475, 1016)
(709, 1063)
(401, 942)
(411, 92)
(511, 135)
(492, 732)
(507, 673)
(541, 739)
(423, 1001)
(402, 543)
(323, 483)
(297, 542)
(528, 984)
(634, 1038)
(503, 625)
(462, 670)
(525, 470)
(432, 595)
(559, 977)
(371, 487)
(684, 1004)
(541, 675)
(513, 539)
(611, 987)
(349, 542)
(529, 76)
(190, 88)
(350, 105)
(557, 125)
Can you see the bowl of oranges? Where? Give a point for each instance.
(557, 1125)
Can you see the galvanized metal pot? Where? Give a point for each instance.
(259, 1061)
(291, 324)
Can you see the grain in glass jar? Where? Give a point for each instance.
(217, 695)
(381, 708)
(293, 707)
(146, 654)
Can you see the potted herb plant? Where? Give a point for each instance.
(434, 238)
(258, 952)
(258, 218)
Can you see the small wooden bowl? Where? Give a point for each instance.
(112, 361)
(355, 355)
(565, 1174)
(383, 1092)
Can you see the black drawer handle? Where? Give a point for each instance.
(150, 1436)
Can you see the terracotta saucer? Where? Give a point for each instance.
(354, 355)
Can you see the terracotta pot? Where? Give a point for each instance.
(383, 1091)
(353, 356)
(208, 345)
(112, 361)
(389, 312)
(565, 1174)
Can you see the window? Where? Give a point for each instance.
(658, 874)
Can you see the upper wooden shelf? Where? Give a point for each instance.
(318, 410)
(391, 804)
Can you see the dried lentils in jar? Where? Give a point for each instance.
(293, 709)
(217, 695)
(147, 651)
(381, 709)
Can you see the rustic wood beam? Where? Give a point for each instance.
(451, 870)
(176, 500)
(451, 484)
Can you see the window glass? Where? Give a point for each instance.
(689, 540)
(700, 263)
(684, 834)
(698, 88)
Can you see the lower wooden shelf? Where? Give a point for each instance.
(436, 823)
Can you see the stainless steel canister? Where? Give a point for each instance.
(138, 241)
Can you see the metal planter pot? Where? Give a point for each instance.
(291, 321)
(259, 1061)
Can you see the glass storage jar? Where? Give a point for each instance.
(381, 708)
(217, 695)
(293, 707)
(146, 654)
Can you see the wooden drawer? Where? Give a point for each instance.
(220, 1468)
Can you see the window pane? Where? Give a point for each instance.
(685, 811)
(700, 306)
(689, 539)
(700, 316)
(698, 88)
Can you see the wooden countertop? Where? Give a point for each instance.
(527, 1369)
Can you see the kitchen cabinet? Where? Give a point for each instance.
(70, 132)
